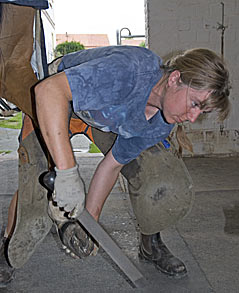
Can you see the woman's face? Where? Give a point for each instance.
(180, 102)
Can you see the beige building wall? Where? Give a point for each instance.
(181, 24)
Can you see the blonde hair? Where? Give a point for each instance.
(202, 69)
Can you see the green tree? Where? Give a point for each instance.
(68, 47)
(142, 44)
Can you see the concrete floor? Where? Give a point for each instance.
(207, 239)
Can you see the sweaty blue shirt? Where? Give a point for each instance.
(110, 87)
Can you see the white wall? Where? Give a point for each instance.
(182, 24)
(48, 20)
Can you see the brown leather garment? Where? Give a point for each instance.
(16, 39)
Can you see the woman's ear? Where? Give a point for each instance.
(174, 78)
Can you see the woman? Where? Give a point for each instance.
(132, 102)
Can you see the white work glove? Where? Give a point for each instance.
(69, 190)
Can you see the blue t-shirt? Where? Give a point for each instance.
(38, 4)
(110, 88)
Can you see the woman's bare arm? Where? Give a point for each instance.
(52, 101)
(101, 184)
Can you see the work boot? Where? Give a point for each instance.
(152, 249)
(6, 271)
